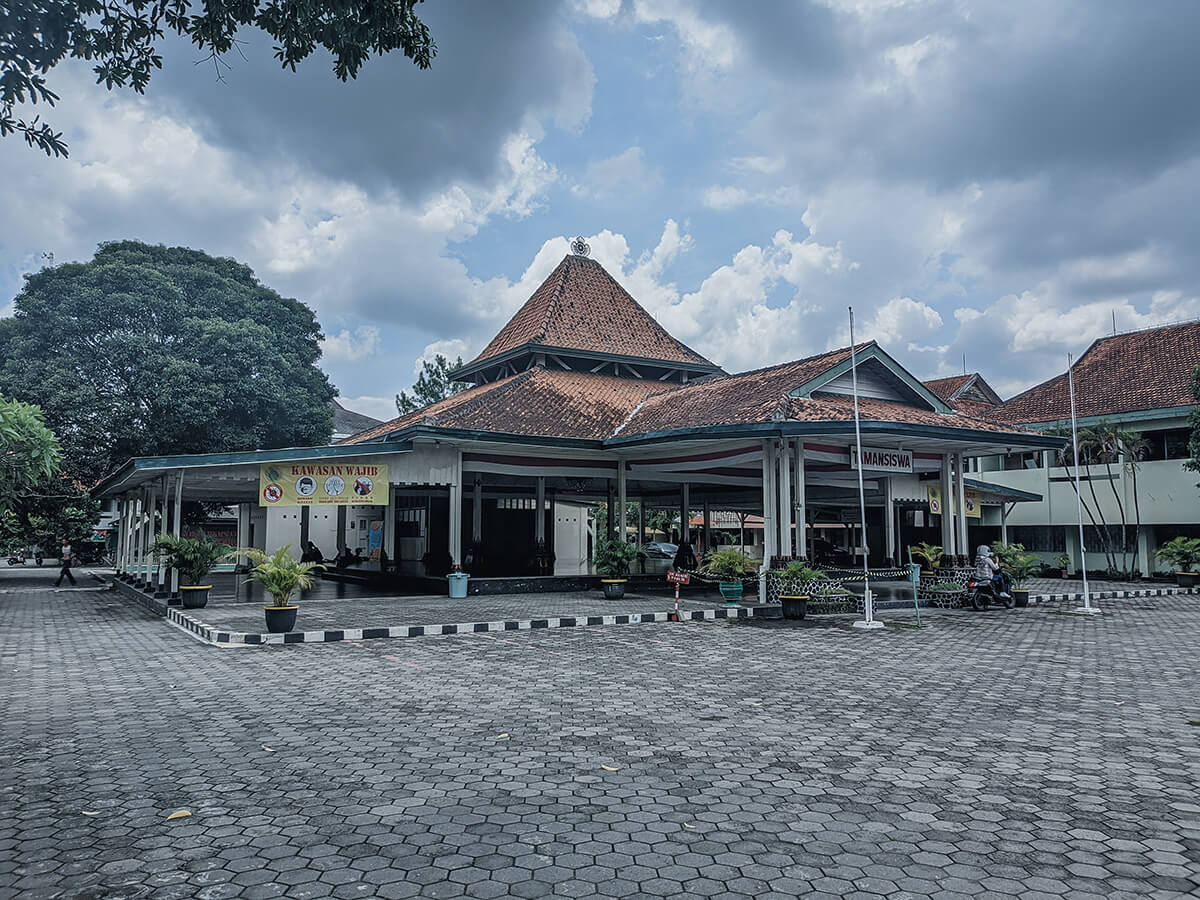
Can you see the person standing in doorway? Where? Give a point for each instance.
(66, 558)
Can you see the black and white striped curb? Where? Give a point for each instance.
(211, 635)
(1110, 595)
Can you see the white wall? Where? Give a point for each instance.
(570, 539)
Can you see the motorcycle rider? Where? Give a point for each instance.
(987, 568)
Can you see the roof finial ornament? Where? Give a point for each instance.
(580, 247)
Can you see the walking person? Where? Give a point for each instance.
(66, 557)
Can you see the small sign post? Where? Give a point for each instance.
(677, 578)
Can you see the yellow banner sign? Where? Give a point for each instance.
(970, 498)
(323, 484)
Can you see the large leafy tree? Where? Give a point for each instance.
(29, 451)
(1194, 443)
(433, 384)
(122, 38)
(151, 350)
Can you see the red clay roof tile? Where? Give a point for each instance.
(1132, 372)
(582, 307)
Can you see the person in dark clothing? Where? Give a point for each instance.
(66, 557)
(312, 553)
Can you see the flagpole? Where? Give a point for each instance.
(1087, 597)
(868, 620)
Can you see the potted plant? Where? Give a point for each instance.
(1064, 564)
(1184, 554)
(731, 567)
(612, 560)
(1019, 567)
(795, 586)
(931, 553)
(281, 575)
(195, 558)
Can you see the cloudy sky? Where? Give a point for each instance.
(988, 179)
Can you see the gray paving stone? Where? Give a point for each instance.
(985, 756)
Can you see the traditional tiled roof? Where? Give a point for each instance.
(1141, 370)
(945, 387)
(347, 422)
(581, 307)
(538, 402)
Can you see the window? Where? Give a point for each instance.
(1039, 538)
(1031, 460)
(1169, 444)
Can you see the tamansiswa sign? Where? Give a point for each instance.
(323, 484)
(882, 459)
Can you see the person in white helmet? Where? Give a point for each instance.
(987, 567)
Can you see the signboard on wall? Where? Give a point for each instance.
(323, 484)
(882, 459)
(970, 500)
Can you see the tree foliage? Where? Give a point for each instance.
(52, 510)
(122, 38)
(433, 384)
(150, 350)
(29, 451)
(1193, 464)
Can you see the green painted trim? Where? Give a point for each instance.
(789, 429)
(245, 457)
(474, 368)
(1001, 490)
(498, 437)
(874, 351)
(1169, 412)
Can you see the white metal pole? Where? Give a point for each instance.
(1087, 597)
(868, 620)
(767, 467)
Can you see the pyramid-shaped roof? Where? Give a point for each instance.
(581, 309)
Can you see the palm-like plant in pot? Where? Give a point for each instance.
(281, 575)
(796, 584)
(1184, 554)
(731, 567)
(931, 553)
(612, 559)
(1019, 566)
(195, 558)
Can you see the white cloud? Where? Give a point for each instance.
(451, 349)
(899, 320)
(351, 346)
(764, 165)
(625, 171)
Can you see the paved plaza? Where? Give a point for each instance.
(1029, 753)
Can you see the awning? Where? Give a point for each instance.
(1000, 492)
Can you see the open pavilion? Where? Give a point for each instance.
(582, 398)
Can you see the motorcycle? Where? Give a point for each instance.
(981, 592)
(18, 559)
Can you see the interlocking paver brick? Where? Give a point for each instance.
(1007, 754)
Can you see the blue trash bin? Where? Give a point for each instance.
(458, 585)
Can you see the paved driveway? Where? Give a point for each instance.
(1028, 753)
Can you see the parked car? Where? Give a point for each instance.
(826, 553)
(660, 550)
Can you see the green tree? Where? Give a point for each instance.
(1193, 464)
(152, 350)
(433, 384)
(29, 451)
(122, 38)
(57, 510)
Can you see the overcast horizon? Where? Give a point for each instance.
(995, 181)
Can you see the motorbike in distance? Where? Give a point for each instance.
(982, 592)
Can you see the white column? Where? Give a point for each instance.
(138, 514)
(123, 538)
(456, 511)
(961, 495)
(947, 507)
(622, 495)
(889, 522)
(477, 511)
(801, 515)
(539, 522)
(160, 571)
(784, 459)
(768, 471)
(685, 513)
(706, 525)
(177, 526)
(1003, 522)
